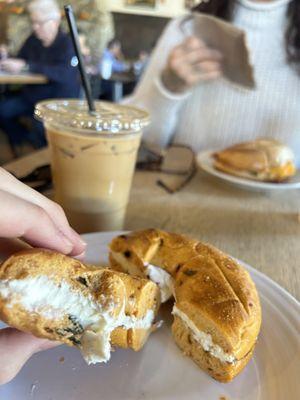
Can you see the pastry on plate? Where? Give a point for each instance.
(217, 313)
(59, 298)
(265, 160)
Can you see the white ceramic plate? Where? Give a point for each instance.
(160, 371)
(206, 162)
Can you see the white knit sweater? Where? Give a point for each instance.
(217, 114)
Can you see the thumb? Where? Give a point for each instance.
(16, 348)
(20, 218)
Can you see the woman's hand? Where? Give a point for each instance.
(16, 348)
(3, 52)
(26, 214)
(189, 64)
(13, 65)
(40, 222)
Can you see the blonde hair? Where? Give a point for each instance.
(49, 8)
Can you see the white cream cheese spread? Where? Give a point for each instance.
(204, 339)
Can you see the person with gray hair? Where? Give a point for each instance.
(46, 7)
(47, 51)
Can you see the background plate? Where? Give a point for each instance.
(205, 161)
(160, 371)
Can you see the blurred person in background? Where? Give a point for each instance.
(112, 61)
(48, 51)
(141, 63)
(191, 103)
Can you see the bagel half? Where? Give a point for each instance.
(260, 160)
(59, 298)
(217, 313)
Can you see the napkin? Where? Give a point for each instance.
(231, 42)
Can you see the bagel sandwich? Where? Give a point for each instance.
(217, 313)
(265, 160)
(59, 298)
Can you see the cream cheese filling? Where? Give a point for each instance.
(54, 301)
(156, 274)
(284, 156)
(163, 279)
(204, 339)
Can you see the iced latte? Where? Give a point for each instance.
(93, 159)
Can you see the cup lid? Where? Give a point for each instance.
(109, 118)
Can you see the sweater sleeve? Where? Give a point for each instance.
(151, 94)
(58, 69)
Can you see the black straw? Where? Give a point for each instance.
(74, 35)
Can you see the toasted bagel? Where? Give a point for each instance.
(59, 298)
(216, 302)
(260, 160)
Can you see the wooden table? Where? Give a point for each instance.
(260, 229)
(22, 79)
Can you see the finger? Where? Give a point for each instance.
(12, 185)
(205, 76)
(194, 77)
(193, 43)
(204, 54)
(207, 66)
(16, 348)
(56, 213)
(22, 219)
(194, 73)
(12, 246)
(196, 57)
(208, 76)
(181, 63)
(186, 47)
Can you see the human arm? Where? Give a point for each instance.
(13, 65)
(151, 95)
(16, 64)
(156, 91)
(40, 222)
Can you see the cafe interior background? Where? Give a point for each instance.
(257, 222)
(100, 21)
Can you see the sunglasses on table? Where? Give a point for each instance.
(177, 163)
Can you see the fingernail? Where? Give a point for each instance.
(81, 256)
(78, 237)
(83, 242)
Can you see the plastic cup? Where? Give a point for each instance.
(92, 159)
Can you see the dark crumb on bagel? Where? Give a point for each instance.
(82, 280)
(189, 272)
(127, 253)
